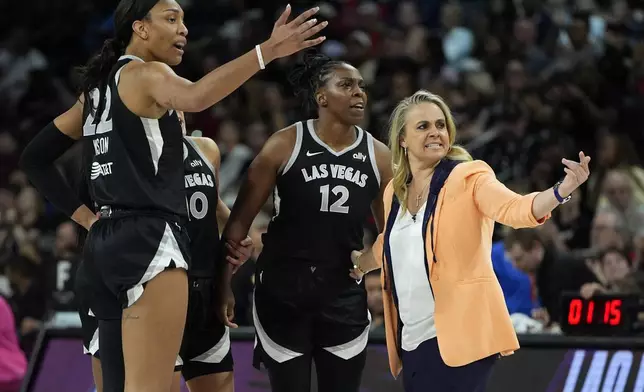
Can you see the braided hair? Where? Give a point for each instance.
(311, 74)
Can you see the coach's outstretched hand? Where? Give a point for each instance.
(291, 37)
(576, 174)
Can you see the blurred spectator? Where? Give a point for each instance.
(235, 156)
(553, 273)
(62, 268)
(608, 230)
(615, 268)
(13, 364)
(516, 284)
(18, 59)
(29, 299)
(620, 199)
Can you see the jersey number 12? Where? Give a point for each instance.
(338, 206)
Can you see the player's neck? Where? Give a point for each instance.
(333, 133)
(135, 50)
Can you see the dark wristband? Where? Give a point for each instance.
(560, 199)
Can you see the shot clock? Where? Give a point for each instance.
(602, 315)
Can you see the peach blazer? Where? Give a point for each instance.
(471, 318)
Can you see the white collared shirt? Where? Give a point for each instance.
(415, 299)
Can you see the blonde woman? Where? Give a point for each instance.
(445, 317)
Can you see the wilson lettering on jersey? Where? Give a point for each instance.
(201, 200)
(135, 162)
(322, 201)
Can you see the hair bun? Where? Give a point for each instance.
(302, 74)
(314, 60)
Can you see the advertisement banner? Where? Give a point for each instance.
(63, 368)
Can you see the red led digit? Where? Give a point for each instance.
(574, 311)
(590, 313)
(607, 311)
(615, 312)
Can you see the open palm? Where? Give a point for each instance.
(292, 37)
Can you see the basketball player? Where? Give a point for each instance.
(205, 358)
(326, 173)
(136, 253)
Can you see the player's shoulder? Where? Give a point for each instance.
(380, 148)
(149, 71)
(286, 134)
(382, 154)
(207, 146)
(279, 147)
(204, 143)
(283, 140)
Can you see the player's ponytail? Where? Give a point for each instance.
(309, 75)
(94, 74)
(98, 68)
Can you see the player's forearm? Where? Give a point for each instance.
(221, 82)
(37, 160)
(223, 214)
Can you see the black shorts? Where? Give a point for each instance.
(89, 330)
(206, 341)
(124, 252)
(296, 311)
(89, 323)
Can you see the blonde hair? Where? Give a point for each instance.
(400, 163)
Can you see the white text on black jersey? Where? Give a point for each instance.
(198, 179)
(340, 172)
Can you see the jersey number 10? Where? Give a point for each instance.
(338, 206)
(197, 205)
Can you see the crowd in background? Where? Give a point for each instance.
(528, 81)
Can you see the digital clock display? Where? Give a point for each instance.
(599, 315)
(595, 311)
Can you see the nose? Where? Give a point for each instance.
(183, 30)
(357, 91)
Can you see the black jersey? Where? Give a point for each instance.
(322, 200)
(135, 162)
(201, 199)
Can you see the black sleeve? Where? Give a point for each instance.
(37, 160)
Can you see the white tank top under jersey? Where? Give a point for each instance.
(415, 300)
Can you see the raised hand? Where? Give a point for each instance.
(576, 174)
(292, 37)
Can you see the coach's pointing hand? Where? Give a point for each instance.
(291, 37)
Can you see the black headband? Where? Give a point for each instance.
(123, 33)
